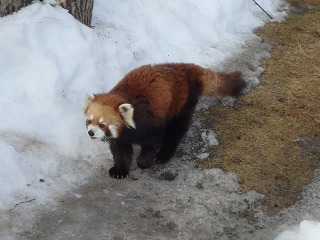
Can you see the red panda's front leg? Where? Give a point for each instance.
(122, 156)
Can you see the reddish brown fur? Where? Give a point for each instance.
(166, 86)
(165, 89)
(163, 98)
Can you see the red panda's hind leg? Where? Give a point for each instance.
(174, 133)
(147, 155)
(178, 126)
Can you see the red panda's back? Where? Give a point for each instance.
(165, 87)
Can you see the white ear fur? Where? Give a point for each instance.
(126, 111)
(88, 99)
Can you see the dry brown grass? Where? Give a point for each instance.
(260, 135)
(311, 2)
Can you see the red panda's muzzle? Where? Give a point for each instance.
(104, 132)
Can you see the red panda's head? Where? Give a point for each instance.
(107, 116)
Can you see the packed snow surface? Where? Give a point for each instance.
(49, 61)
(308, 230)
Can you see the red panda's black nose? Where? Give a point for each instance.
(91, 133)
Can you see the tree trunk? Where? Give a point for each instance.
(80, 9)
(10, 6)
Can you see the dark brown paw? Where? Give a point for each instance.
(145, 163)
(118, 173)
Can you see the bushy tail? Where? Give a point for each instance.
(222, 84)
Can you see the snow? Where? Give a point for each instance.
(199, 33)
(209, 137)
(49, 61)
(308, 230)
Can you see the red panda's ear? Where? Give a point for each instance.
(126, 111)
(88, 99)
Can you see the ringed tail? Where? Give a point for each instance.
(222, 83)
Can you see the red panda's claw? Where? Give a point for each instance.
(118, 173)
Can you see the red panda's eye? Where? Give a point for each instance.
(101, 125)
(89, 122)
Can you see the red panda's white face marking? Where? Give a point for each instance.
(103, 122)
(113, 130)
(95, 132)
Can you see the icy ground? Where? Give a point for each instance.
(54, 180)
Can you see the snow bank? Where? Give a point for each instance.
(49, 61)
(206, 32)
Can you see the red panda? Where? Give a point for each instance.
(152, 106)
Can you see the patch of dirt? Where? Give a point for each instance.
(270, 138)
